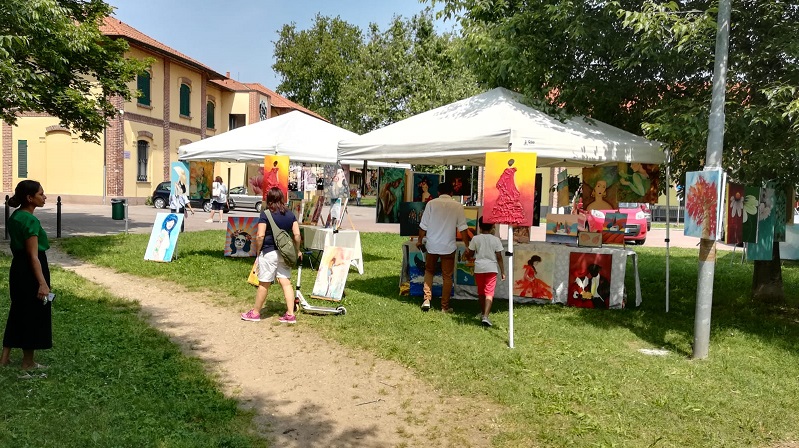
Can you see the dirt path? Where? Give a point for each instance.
(319, 394)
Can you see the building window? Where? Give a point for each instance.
(143, 85)
(185, 97)
(142, 154)
(209, 111)
(22, 158)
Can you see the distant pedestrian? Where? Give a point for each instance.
(358, 197)
(29, 324)
(218, 199)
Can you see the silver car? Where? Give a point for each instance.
(239, 198)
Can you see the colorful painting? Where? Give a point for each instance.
(200, 179)
(763, 248)
(638, 182)
(275, 173)
(335, 215)
(295, 205)
(533, 272)
(563, 188)
(337, 184)
(164, 237)
(179, 177)
(561, 228)
(589, 280)
(416, 273)
(539, 183)
(613, 228)
(332, 273)
(780, 213)
(410, 217)
(702, 203)
(425, 187)
(600, 188)
(307, 210)
(589, 239)
(509, 189)
(240, 237)
(460, 180)
(734, 230)
(317, 209)
(750, 206)
(521, 235)
(472, 215)
(391, 194)
(464, 268)
(296, 195)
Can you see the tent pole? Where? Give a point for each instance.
(363, 178)
(510, 285)
(668, 222)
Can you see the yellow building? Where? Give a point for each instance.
(182, 101)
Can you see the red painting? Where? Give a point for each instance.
(509, 189)
(589, 280)
(734, 233)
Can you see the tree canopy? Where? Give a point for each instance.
(363, 81)
(54, 59)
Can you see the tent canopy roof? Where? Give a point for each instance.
(462, 132)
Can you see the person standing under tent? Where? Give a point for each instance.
(443, 217)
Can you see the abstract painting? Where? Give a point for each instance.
(164, 237)
(734, 232)
(337, 184)
(589, 280)
(533, 273)
(410, 215)
(200, 179)
(425, 187)
(509, 189)
(240, 237)
(561, 228)
(332, 274)
(275, 173)
(638, 182)
(473, 215)
(391, 190)
(464, 268)
(613, 228)
(460, 181)
(702, 203)
(600, 188)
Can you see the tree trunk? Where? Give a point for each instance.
(767, 279)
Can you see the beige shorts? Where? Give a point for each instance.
(271, 265)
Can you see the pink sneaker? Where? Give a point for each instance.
(251, 316)
(288, 319)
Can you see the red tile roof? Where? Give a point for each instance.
(116, 28)
(282, 102)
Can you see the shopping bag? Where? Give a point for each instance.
(253, 277)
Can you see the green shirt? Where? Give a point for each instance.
(23, 225)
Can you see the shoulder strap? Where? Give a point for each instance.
(275, 228)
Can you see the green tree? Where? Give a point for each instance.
(54, 59)
(647, 67)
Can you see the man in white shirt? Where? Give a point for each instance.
(442, 219)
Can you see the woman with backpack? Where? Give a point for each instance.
(271, 263)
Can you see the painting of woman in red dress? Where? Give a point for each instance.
(510, 188)
(530, 285)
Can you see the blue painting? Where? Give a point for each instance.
(164, 237)
(410, 215)
(464, 269)
(416, 273)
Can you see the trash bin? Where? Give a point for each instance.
(118, 208)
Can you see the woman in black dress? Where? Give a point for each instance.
(29, 324)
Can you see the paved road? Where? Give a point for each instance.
(79, 219)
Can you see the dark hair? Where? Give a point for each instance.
(594, 269)
(247, 243)
(485, 227)
(444, 188)
(275, 201)
(533, 259)
(24, 189)
(218, 179)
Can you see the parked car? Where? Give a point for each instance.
(644, 208)
(161, 199)
(239, 197)
(635, 229)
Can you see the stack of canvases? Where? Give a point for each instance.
(754, 215)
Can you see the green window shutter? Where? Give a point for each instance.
(209, 111)
(22, 158)
(185, 94)
(143, 84)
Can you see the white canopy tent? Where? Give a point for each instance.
(461, 133)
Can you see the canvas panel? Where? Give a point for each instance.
(332, 274)
(425, 187)
(275, 173)
(600, 188)
(763, 248)
(533, 274)
(164, 237)
(701, 203)
(509, 188)
(638, 182)
(240, 236)
(410, 216)
(561, 228)
(200, 179)
(460, 180)
(734, 231)
(589, 280)
(391, 193)
(751, 201)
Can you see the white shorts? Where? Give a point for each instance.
(271, 265)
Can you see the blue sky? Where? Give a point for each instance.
(237, 36)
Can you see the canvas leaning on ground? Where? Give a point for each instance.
(332, 274)
(164, 237)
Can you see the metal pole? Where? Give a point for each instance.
(715, 141)
(510, 285)
(58, 217)
(668, 225)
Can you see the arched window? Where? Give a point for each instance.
(209, 111)
(185, 100)
(143, 86)
(142, 155)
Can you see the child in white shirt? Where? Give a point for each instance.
(486, 249)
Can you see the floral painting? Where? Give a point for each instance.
(638, 182)
(533, 273)
(200, 179)
(391, 193)
(763, 248)
(702, 203)
(734, 232)
(240, 237)
(460, 181)
(332, 274)
(600, 188)
(410, 215)
(750, 207)
(425, 187)
(509, 189)
(589, 280)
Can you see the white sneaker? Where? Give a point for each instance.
(485, 322)
(209, 220)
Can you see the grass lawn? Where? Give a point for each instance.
(113, 382)
(576, 376)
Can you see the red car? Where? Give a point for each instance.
(635, 228)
